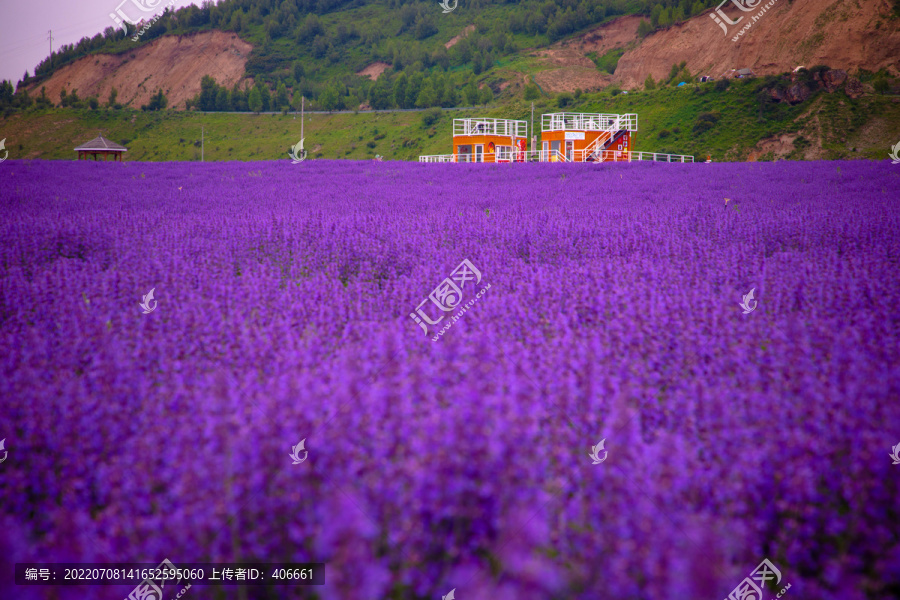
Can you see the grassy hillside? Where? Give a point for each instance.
(696, 120)
(317, 48)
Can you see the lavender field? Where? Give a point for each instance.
(460, 459)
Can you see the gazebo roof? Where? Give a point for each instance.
(100, 143)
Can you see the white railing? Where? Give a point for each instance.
(660, 157)
(600, 155)
(506, 127)
(557, 156)
(588, 122)
(517, 156)
(542, 156)
(595, 147)
(439, 158)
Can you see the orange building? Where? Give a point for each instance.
(565, 137)
(587, 137)
(489, 140)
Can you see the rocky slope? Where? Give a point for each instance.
(844, 34)
(174, 63)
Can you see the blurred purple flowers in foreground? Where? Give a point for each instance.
(283, 299)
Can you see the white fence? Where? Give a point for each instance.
(517, 156)
(588, 122)
(505, 127)
(556, 156)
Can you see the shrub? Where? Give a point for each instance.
(705, 121)
(431, 116)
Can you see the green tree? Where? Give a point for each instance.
(7, 91)
(477, 66)
(427, 97)
(413, 88)
(265, 96)
(450, 97)
(532, 92)
(487, 94)
(43, 101)
(113, 94)
(281, 97)
(255, 100)
(425, 27)
(158, 101)
(328, 99)
(649, 84)
(431, 116)
(471, 94)
(297, 100)
(665, 18)
(380, 94)
(238, 97)
(399, 91)
(208, 91)
(222, 100)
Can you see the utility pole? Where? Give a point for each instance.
(302, 102)
(50, 37)
(533, 137)
(201, 143)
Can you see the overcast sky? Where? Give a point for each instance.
(24, 27)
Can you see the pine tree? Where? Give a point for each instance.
(281, 97)
(255, 100)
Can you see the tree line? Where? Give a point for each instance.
(401, 32)
(390, 90)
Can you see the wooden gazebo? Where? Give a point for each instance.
(100, 146)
